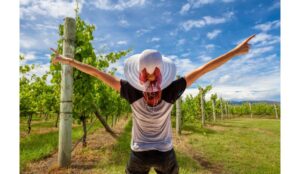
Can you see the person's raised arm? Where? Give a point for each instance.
(108, 79)
(242, 48)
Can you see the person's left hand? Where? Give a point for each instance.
(57, 58)
(243, 47)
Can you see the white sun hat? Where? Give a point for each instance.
(149, 59)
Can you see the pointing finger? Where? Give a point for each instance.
(55, 51)
(249, 38)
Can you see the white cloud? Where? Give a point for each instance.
(120, 5)
(193, 4)
(123, 23)
(29, 56)
(155, 39)
(40, 26)
(256, 52)
(265, 88)
(38, 40)
(122, 42)
(274, 6)
(102, 38)
(213, 34)
(27, 42)
(214, 20)
(190, 91)
(193, 23)
(185, 54)
(204, 58)
(199, 3)
(206, 20)
(253, 63)
(143, 31)
(268, 25)
(50, 8)
(184, 65)
(271, 57)
(48, 56)
(264, 39)
(224, 78)
(180, 42)
(210, 46)
(25, 2)
(185, 8)
(248, 88)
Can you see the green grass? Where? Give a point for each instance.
(37, 123)
(239, 145)
(116, 163)
(37, 146)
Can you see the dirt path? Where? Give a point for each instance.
(84, 160)
(181, 143)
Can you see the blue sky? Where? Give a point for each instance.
(189, 32)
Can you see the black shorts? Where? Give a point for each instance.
(162, 162)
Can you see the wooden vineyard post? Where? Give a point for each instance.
(275, 109)
(213, 98)
(226, 109)
(221, 105)
(178, 115)
(66, 105)
(250, 109)
(202, 106)
(214, 110)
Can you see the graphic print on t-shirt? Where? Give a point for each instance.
(152, 128)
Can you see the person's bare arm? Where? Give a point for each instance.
(108, 79)
(242, 48)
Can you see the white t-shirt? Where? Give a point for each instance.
(152, 129)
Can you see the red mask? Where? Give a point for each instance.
(152, 82)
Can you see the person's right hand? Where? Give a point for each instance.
(57, 58)
(243, 47)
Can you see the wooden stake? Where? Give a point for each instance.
(250, 109)
(65, 124)
(214, 110)
(221, 101)
(178, 115)
(275, 109)
(202, 107)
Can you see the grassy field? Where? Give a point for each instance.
(43, 139)
(231, 146)
(116, 162)
(239, 145)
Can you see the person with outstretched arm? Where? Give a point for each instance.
(151, 90)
